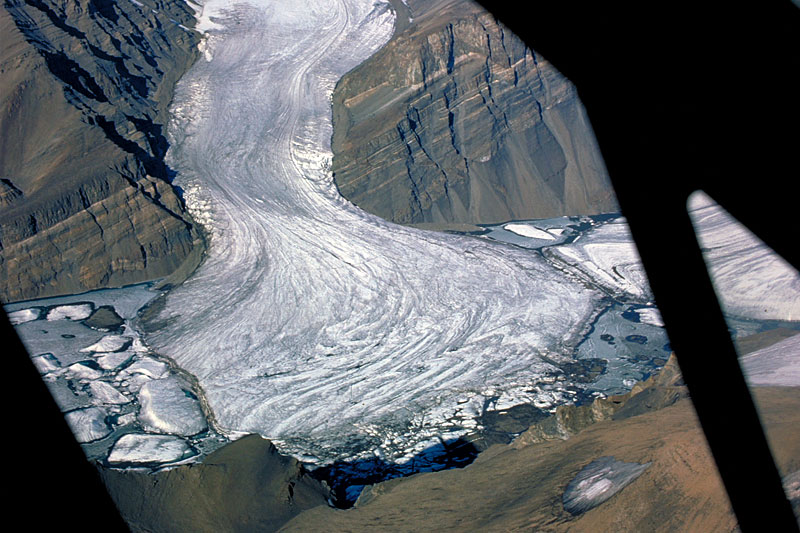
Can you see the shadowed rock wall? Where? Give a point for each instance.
(85, 200)
(455, 120)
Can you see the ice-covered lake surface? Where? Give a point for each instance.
(125, 404)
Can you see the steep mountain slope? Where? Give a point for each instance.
(84, 198)
(455, 120)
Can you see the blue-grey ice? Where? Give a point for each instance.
(598, 481)
(311, 321)
(164, 407)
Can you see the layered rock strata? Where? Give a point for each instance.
(456, 120)
(85, 199)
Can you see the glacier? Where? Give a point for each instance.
(311, 322)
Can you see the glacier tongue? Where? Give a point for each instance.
(310, 321)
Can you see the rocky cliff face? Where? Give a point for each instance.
(456, 120)
(84, 197)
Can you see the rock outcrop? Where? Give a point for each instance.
(244, 486)
(456, 120)
(85, 199)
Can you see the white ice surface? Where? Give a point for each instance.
(778, 364)
(309, 316)
(136, 448)
(751, 280)
(608, 257)
(22, 316)
(72, 312)
(88, 424)
(526, 230)
(165, 408)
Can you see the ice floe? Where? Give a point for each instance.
(71, 312)
(114, 360)
(88, 424)
(109, 343)
(105, 394)
(46, 363)
(527, 230)
(23, 315)
(82, 371)
(148, 449)
(166, 408)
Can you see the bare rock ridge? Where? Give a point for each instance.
(244, 486)
(456, 120)
(85, 199)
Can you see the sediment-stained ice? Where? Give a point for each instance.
(166, 408)
(88, 424)
(310, 318)
(597, 482)
(71, 312)
(751, 280)
(148, 449)
(777, 365)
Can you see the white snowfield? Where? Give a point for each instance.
(311, 319)
(751, 280)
